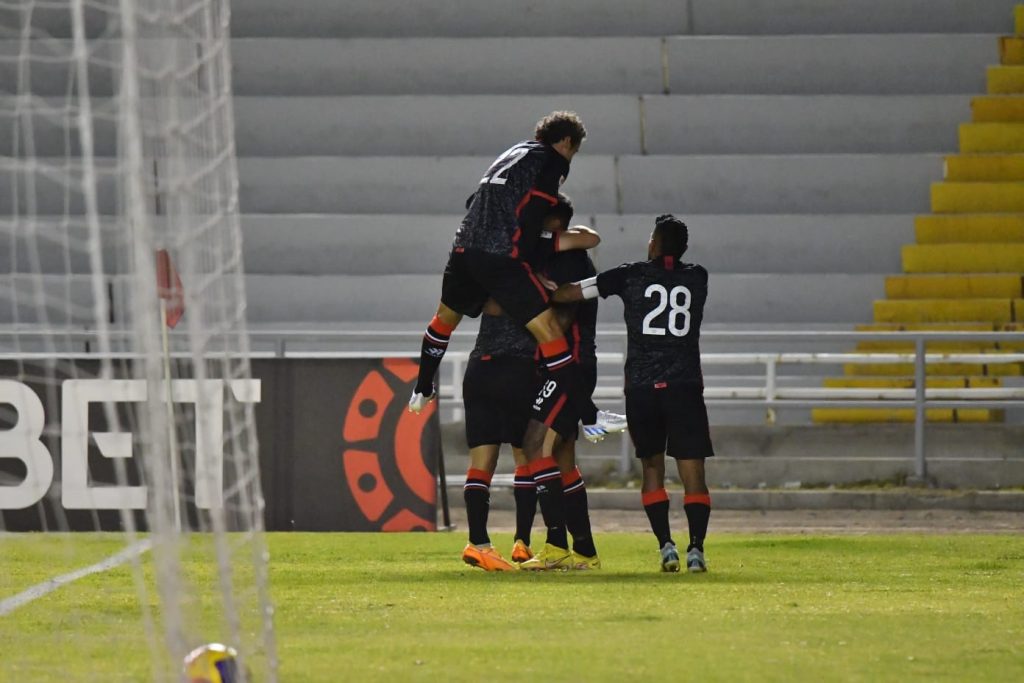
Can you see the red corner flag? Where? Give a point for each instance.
(169, 288)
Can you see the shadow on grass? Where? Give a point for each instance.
(616, 577)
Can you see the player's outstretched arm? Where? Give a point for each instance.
(577, 237)
(577, 291)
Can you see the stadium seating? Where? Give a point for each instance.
(799, 138)
(966, 270)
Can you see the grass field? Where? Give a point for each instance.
(354, 607)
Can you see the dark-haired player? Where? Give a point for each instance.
(498, 389)
(490, 258)
(663, 307)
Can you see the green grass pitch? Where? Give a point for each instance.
(395, 607)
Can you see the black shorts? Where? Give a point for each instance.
(672, 420)
(497, 394)
(553, 407)
(471, 276)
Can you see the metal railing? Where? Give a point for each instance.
(769, 394)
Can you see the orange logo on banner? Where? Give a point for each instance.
(366, 420)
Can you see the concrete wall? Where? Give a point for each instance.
(455, 18)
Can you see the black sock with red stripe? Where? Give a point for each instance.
(551, 498)
(656, 507)
(577, 513)
(698, 514)
(566, 372)
(435, 343)
(477, 494)
(525, 493)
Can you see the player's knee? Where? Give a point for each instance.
(448, 316)
(533, 440)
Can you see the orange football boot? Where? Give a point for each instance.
(488, 559)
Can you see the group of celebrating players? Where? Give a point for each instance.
(516, 262)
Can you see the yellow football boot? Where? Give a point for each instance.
(582, 562)
(551, 557)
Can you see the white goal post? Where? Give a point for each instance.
(117, 141)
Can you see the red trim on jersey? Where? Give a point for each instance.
(543, 195)
(522, 203)
(652, 497)
(534, 192)
(697, 498)
(515, 243)
(535, 281)
(487, 357)
(669, 262)
(576, 341)
(459, 250)
(555, 411)
(660, 385)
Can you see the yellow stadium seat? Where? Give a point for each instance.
(969, 227)
(975, 168)
(978, 197)
(990, 138)
(1005, 80)
(963, 258)
(1011, 50)
(992, 108)
(943, 310)
(954, 286)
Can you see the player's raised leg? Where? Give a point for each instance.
(432, 350)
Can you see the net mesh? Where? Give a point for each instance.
(117, 141)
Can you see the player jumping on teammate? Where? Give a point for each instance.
(663, 309)
(499, 385)
(490, 258)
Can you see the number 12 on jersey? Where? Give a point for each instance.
(668, 299)
(508, 159)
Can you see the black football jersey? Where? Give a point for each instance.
(663, 308)
(502, 337)
(493, 223)
(572, 266)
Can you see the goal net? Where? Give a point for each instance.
(119, 220)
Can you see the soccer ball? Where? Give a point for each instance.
(212, 663)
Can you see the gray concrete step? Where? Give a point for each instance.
(730, 184)
(428, 185)
(837, 64)
(321, 244)
(851, 183)
(842, 16)
(428, 125)
(872, 64)
(455, 18)
(748, 298)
